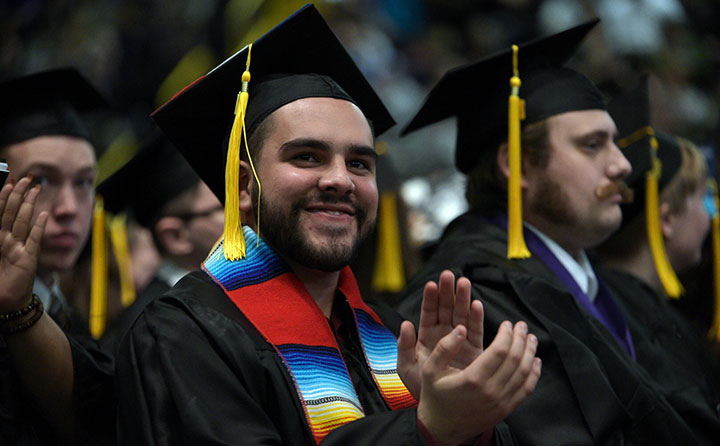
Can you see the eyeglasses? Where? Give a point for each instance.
(188, 216)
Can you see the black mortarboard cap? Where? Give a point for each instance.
(47, 103)
(477, 93)
(639, 141)
(157, 174)
(301, 57)
(632, 116)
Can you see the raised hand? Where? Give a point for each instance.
(444, 306)
(457, 405)
(19, 243)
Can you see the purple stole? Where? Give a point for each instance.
(604, 308)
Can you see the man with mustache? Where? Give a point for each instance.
(56, 382)
(271, 343)
(662, 232)
(543, 187)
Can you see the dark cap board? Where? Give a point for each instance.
(52, 102)
(299, 58)
(477, 93)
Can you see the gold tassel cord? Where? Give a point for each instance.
(234, 244)
(516, 106)
(668, 278)
(98, 283)
(714, 333)
(119, 240)
(389, 274)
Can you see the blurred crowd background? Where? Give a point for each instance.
(140, 52)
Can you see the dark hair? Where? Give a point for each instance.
(486, 189)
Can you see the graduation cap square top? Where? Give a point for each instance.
(301, 57)
(52, 102)
(477, 93)
(142, 187)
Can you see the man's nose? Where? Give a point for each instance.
(336, 178)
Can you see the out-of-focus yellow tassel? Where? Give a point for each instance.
(668, 278)
(516, 241)
(714, 333)
(119, 240)
(389, 274)
(98, 283)
(234, 244)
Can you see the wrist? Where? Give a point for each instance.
(20, 320)
(10, 306)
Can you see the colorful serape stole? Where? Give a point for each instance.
(276, 302)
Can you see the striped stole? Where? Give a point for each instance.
(276, 302)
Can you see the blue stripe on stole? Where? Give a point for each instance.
(320, 374)
(379, 343)
(260, 265)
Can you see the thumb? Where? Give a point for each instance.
(446, 349)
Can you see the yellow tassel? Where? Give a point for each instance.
(516, 241)
(671, 284)
(389, 275)
(98, 285)
(234, 245)
(714, 333)
(119, 239)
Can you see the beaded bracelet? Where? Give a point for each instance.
(6, 329)
(34, 302)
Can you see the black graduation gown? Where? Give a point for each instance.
(671, 351)
(110, 340)
(590, 391)
(20, 421)
(193, 370)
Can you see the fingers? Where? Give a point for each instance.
(406, 343)
(36, 233)
(514, 355)
(5, 193)
(21, 226)
(487, 364)
(523, 367)
(475, 324)
(445, 351)
(461, 311)
(428, 310)
(446, 297)
(528, 386)
(12, 205)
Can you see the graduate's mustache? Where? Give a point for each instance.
(615, 187)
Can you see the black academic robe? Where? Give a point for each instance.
(193, 370)
(110, 340)
(671, 351)
(20, 421)
(591, 391)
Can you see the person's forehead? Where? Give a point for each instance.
(581, 122)
(64, 153)
(340, 117)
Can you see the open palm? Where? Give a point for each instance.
(19, 243)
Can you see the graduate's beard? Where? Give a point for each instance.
(282, 231)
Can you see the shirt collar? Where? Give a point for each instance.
(581, 271)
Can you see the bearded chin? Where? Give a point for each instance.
(282, 231)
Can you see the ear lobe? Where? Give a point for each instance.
(667, 220)
(172, 234)
(503, 163)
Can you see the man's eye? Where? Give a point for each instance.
(41, 180)
(305, 157)
(85, 183)
(358, 164)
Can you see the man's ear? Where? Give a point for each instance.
(246, 178)
(172, 234)
(503, 163)
(667, 221)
